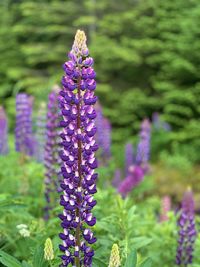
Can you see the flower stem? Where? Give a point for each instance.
(77, 234)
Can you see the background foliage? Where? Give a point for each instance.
(146, 53)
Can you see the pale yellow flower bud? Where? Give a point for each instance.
(114, 257)
(79, 46)
(48, 250)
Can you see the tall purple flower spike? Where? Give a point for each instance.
(51, 153)
(129, 157)
(187, 231)
(40, 133)
(143, 149)
(3, 132)
(24, 140)
(78, 156)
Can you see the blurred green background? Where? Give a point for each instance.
(147, 59)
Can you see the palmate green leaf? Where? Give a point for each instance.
(9, 261)
(146, 263)
(131, 260)
(38, 257)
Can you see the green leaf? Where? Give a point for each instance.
(146, 263)
(98, 262)
(25, 264)
(38, 258)
(9, 261)
(131, 260)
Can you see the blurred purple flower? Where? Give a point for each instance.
(117, 178)
(187, 231)
(143, 149)
(159, 124)
(129, 157)
(136, 175)
(40, 133)
(103, 136)
(3, 132)
(136, 172)
(51, 153)
(24, 139)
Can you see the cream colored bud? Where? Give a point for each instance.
(48, 250)
(114, 257)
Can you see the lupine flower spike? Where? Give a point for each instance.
(40, 133)
(137, 171)
(51, 153)
(143, 149)
(114, 257)
(78, 156)
(187, 231)
(3, 132)
(107, 139)
(159, 124)
(135, 176)
(23, 131)
(117, 178)
(165, 208)
(129, 157)
(103, 135)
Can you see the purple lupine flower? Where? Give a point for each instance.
(158, 123)
(106, 139)
(99, 124)
(51, 153)
(40, 133)
(137, 171)
(165, 208)
(3, 132)
(129, 157)
(117, 178)
(143, 149)
(78, 155)
(136, 175)
(187, 231)
(103, 135)
(24, 140)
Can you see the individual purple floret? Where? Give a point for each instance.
(129, 157)
(51, 153)
(78, 156)
(187, 231)
(24, 140)
(103, 136)
(40, 133)
(117, 178)
(143, 149)
(3, 132)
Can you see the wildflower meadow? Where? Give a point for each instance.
(99, 133)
